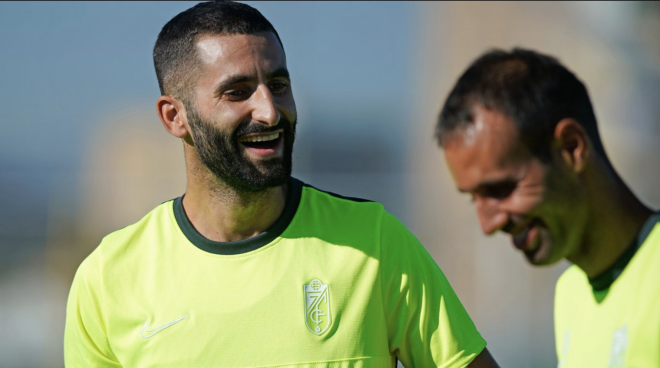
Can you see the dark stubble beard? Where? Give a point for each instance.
(220, 152)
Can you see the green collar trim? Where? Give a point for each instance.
(245, 245)
(605, 280)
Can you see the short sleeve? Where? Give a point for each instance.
(85, 338)
(426, 322)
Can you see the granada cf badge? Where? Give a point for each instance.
(317, 306)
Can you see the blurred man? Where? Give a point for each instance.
(253, 268)
(520, 136)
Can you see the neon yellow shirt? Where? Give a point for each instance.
(334, 282)
(618, 326)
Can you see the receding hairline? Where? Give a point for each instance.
(466, 128)
(514, 67)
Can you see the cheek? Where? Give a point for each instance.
(533, 195)
(526, 203)
(226, 118)
(564, 199)
(287, 109)
(528, 198)
(222, 115)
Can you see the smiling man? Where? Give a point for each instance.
(520, 136)
(251, 267)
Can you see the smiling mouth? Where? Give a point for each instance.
(525, 238)
(261, 141)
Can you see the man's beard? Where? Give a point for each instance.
(220, 152)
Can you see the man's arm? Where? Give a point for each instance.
(85, 337)
(427, 324)
(483, 360)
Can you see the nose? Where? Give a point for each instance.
(264, 109)
(491, 218)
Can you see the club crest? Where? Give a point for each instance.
(317, 306)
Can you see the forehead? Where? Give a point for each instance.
(489, 149)
(234, 52)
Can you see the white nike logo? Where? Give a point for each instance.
(157, 329)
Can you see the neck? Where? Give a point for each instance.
(615, 218)
(220, 213)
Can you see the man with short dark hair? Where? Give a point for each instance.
(253, 268)
(520, 136)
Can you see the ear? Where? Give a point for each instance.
(172, 114)
(573, 144)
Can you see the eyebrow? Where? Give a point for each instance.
(280, 72)
(489, 183)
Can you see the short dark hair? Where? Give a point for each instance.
(534, 90)
(174, 52)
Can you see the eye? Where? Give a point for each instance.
(499, 190)
(278, 87)
(235, 94)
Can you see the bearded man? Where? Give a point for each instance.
(251, 267)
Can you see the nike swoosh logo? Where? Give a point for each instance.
(156, 330)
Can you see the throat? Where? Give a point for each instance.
(230, 216)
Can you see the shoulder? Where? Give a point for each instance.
(332, 208)
(314, 195)
(350, 220)
(125, 241)
(571, 289)
(569, 279)
(340, 219)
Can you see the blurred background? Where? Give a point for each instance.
(83, 153)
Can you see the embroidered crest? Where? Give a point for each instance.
(317, 306)
(619, 345)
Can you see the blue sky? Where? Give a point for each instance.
(66, 65)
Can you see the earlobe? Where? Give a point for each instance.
(573, 144)
(173, 116)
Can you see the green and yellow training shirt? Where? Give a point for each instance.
(613, 321)
(335, 282)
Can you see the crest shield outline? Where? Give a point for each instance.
(317, 307)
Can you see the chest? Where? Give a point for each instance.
(283, 309)
(622, 331)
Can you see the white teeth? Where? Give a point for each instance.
(260, 138)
